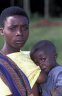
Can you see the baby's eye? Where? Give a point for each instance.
(43, 59)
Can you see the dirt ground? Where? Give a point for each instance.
(42, 23)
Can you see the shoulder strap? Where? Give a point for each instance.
(11, 83)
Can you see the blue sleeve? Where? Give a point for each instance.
(59, 80)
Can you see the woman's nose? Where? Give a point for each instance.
(19, 32)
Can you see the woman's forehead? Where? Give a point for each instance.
(16, 20)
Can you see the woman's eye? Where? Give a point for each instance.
(24, 28)
(12, 28)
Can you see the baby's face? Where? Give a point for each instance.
(44, 60)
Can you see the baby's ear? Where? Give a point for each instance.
(1, 31)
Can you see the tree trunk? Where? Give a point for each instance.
(26, 6)
(46, 9)
(12, 2)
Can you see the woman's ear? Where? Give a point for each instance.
(1, 31)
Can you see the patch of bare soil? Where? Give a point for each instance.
(42, 23)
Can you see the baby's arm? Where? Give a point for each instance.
(35, 90)
(42, 77)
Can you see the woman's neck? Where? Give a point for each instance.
(8, 50)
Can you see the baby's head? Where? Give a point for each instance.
(44, 55)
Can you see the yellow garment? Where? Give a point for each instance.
(4, 90)
(24, 62)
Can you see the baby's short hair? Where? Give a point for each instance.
(44, 45)
(11, 11)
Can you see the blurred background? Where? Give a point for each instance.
(45, 21)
